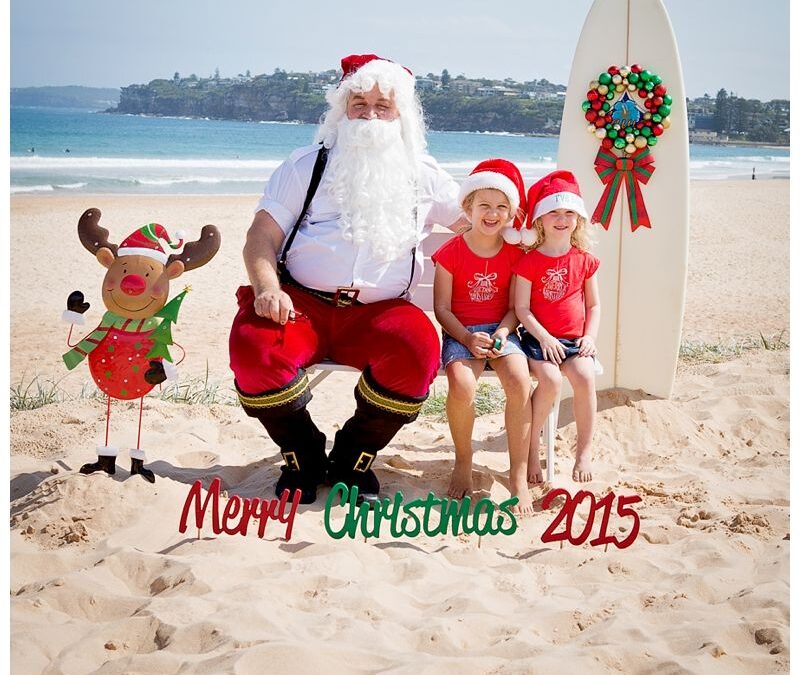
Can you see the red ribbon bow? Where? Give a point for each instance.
(613, 172)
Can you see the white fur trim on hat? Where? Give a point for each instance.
(560, 200)
(511, 235)
(170, 370)
(147, 252)
(483, 180)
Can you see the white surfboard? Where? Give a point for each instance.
(642, 274)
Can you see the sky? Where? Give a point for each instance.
(740, 45)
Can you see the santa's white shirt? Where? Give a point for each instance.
(321, 259)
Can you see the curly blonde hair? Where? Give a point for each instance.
(581, 238)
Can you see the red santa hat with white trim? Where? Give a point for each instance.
(556, 190)
(502, 175)
(145, 241)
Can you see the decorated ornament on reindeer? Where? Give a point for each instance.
(128, 352)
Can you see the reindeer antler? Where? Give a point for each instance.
(92, 236)
(198, 253)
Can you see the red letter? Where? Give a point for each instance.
(200, 511)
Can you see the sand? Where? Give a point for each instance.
(101, 579)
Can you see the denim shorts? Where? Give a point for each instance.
(453, 350)
(533, 350)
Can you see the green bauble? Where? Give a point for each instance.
(647, 131)
(613, 133)
(636, 131)
(657, 118)
(649, 86)
(667, 99)
(633, 78)
(619, 143)
(586, 105)
(664, 110)
(605, 78)
(656, 79)
(607, 105)
(610, 95)
(645, 75)
(652, 141)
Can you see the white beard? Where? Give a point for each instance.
(372, 179)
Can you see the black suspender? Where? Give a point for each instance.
(316, 177)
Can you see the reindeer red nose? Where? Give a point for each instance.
(133, 284)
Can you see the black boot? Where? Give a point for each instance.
(105, 463)
(379, 416)
(283, 414)
(302, 447)
(137, 466)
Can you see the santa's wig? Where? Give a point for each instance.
(392, 80)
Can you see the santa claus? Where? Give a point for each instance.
(333, 255)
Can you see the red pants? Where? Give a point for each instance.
(393, 338)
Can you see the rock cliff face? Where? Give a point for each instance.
(255, 100)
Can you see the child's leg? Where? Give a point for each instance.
(462, 379)
(548, 389)
(512, 371)
(580, 373)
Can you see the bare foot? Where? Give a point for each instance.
(460, 481)
(535, 476)
(524, 507)
(582, 471)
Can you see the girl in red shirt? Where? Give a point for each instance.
(473, 302)
(558, 303)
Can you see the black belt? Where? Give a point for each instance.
(344, 296)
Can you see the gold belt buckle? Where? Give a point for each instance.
(345, 296)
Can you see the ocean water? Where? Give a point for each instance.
(55, 150)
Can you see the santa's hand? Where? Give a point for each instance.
(76, 308)
(275, 305)
(155, 374)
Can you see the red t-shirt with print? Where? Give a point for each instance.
(480, 285)
(557, 283)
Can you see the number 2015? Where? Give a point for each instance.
(605, 504)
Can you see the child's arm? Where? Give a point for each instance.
(509, 322)
(479, 344)
(591, 295)
(552, 349)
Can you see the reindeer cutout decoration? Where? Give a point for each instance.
(128, 352)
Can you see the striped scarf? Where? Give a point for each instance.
(110, 320)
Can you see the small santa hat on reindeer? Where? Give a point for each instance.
(502, 175)
(145, 241)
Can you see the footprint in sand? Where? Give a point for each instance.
(197, 460)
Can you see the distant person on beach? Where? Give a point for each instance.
(332, 255)
(558, 304)
(473, 301)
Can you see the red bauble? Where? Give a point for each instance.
(591, 115)
(600, 121)
(596, 105)
(659, 90)
(658, 129)
(613, 70)
(643, 93)
(592, 95)
(639, 125)
(607, 143)
(636, 68)
(657, 101)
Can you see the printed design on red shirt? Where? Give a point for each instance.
(482, 288)
(555, 284)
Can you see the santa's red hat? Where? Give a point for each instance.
(354, 62)
(145, 241)
(499, 174)
(557, 190)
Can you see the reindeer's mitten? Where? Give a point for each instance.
(76, 308)
(155, 374)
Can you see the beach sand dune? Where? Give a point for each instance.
(101, 579)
